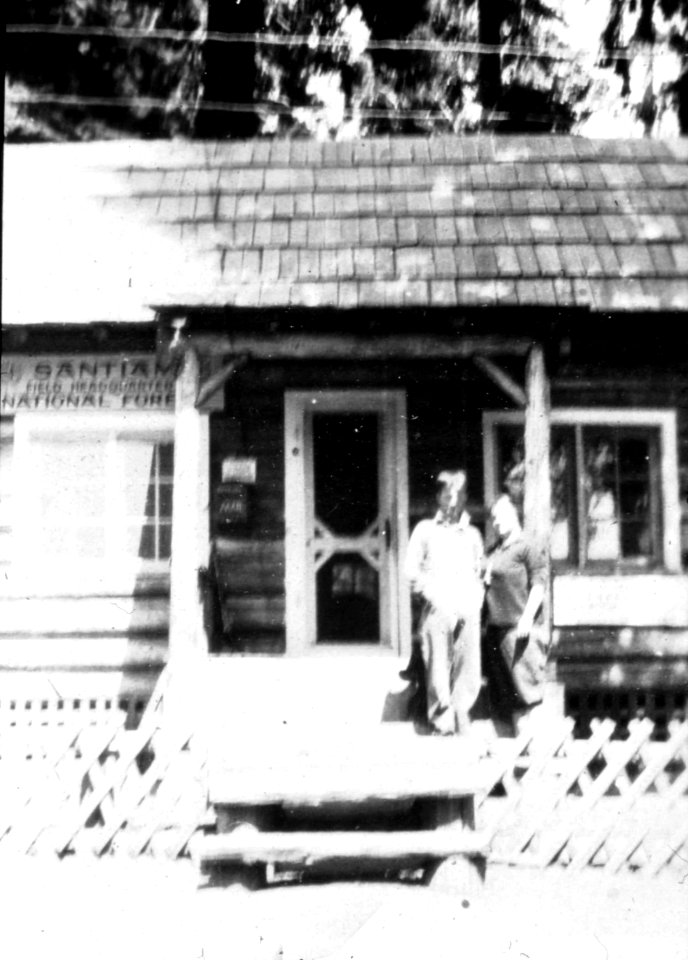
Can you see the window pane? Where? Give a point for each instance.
(511, 472)
(511, 463)
(635, 497)
(603, 540)
(146, 542)
(148, 496)
(563, 480)
(165, 542)
(622, 501)
(348, 600)
(139, 476)
(165, 495)
(345, 465)
(166, 453)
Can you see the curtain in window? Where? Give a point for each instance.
(102, 497)
(69, 477)
(6, 489)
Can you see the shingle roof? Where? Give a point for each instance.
(106, 229)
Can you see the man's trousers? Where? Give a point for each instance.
(451, 652)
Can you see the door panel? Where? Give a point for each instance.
(346, 519)
(347, 544)
(347, 600)
(345, 470)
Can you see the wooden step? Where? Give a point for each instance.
(354, 770)
(321, 784)
(248, 846)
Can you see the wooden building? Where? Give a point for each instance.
(231, 372)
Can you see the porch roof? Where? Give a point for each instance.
(107, 231)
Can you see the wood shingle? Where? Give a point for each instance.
(111, 230)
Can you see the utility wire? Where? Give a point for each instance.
(316, 42)
(262, 109)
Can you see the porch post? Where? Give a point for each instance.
(536, 506)
(537, 499)
(190, 509)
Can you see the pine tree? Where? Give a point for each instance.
(594, 67)
(104, 67)
(638, 82)
(423, 91)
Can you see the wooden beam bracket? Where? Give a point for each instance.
(502, 379)
(207, 389)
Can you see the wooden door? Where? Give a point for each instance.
(347, 521)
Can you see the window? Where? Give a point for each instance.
(6, 488)
(95, 497)
(614, 498)
(103, 497)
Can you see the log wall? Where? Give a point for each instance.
(83, 649)
(444, 405)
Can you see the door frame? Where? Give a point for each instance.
(300, 599)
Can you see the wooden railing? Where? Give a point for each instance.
(661, 706)
(30, 714)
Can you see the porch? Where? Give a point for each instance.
(322, 453)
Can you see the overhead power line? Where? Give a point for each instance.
(315, 41)
(264, 109)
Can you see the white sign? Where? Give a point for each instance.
(239, 470)
(643, 600)
(84, 382)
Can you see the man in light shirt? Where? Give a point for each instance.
(444, 566)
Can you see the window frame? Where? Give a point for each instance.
(663, 421)
(115, 572)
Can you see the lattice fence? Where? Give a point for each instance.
(79, 780)
(600, 801)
